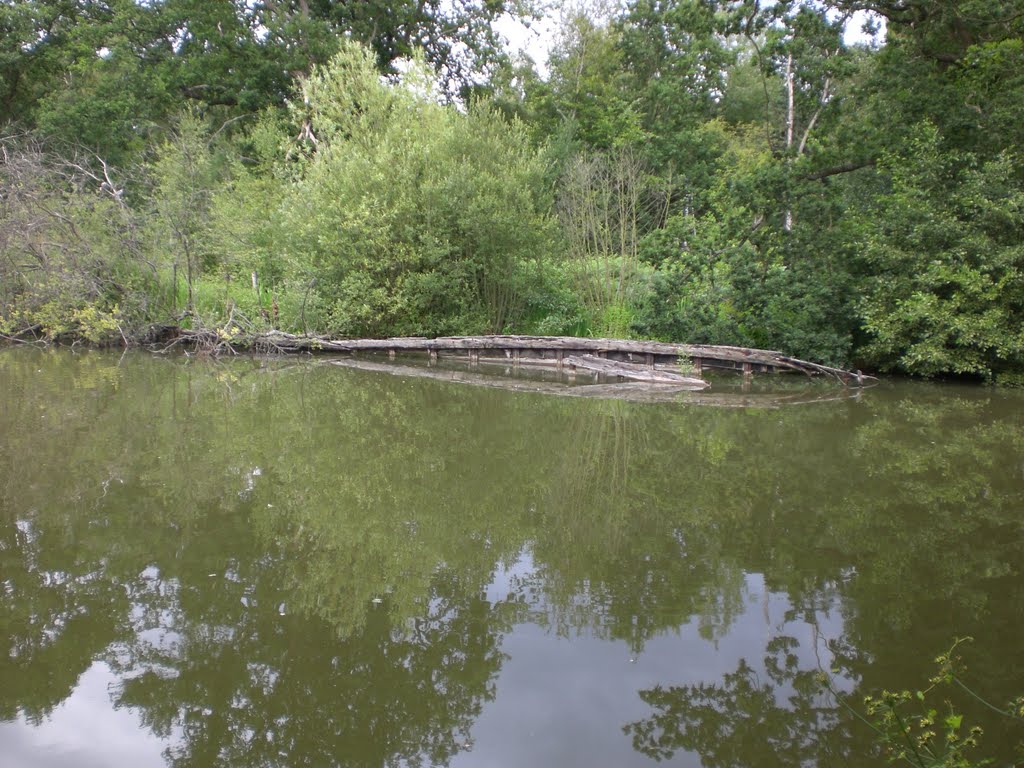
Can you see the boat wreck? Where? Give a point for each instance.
(654, 362)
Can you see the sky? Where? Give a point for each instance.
(536, 39)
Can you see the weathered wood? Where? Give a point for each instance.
(642, 392)
(633, 371)
(704, 355)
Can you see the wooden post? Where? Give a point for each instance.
(433, 357)
(650, 360)
(558, 357)
(515, 357)
(698, 366)
(391, 354)
(474, 358)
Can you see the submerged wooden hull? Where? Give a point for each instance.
(556, 350)
(632, 391)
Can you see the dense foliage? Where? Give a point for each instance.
(692, 170)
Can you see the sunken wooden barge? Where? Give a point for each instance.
(611, 357)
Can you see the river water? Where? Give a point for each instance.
(254, 562)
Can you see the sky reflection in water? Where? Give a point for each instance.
(283, 563)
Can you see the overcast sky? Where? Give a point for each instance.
(537, 39)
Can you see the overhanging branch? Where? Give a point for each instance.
(836, 170)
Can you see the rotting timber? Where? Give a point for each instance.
(652, 361)
(633, 391)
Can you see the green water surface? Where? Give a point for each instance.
(254, 562)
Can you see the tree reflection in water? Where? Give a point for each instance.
(778, 716)
(287, 564)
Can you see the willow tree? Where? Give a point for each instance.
(414, 216)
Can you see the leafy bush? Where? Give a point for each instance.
(414, 217)
(947, 294)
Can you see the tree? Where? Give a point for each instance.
(71, 259)
(186, 173)
(67, 65)
(944, 247)
(415, 217)
(605, 204)
(587, 96)
(456, 37)
(676, 63)
(944, 31)
(33, 37)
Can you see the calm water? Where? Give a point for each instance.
(286, 563)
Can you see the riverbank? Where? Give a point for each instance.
(655, 362)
